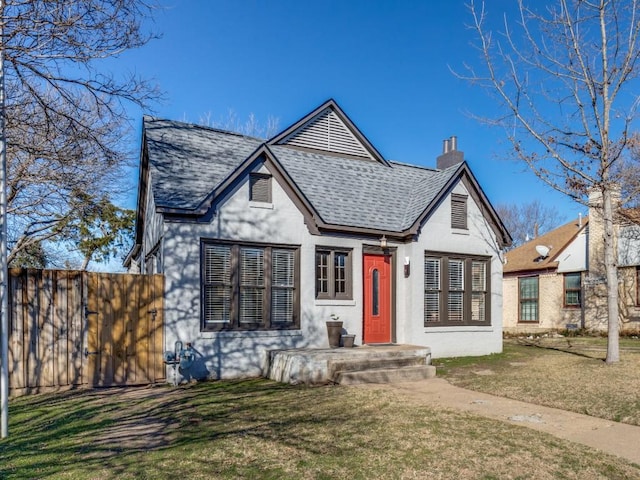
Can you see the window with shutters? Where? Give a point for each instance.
(478, 291)
(260, 187)
(528, 296)
(572, 290)
(333, 274)
(247, 287)
(456, 289)
(283, 287)
(458, 211)
(431, 290)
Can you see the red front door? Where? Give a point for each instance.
(377, 298)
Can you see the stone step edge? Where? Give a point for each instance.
(385, 375)
(355, 365)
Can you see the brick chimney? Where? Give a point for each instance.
(450, 154)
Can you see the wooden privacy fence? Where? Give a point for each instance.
(71, 329)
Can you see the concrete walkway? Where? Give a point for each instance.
(605, 435)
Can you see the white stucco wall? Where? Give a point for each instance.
(233, 354)
(236, 354)
(437, 235)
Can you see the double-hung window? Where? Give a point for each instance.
(249, 286)
(333, 273)
(456, 288)
(572, 290)
(528, 291)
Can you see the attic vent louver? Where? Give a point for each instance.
(326, 132)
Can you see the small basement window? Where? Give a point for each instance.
(260, 187)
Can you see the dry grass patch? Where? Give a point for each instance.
(263, 430)
(566, 374)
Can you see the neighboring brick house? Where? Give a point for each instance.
(565, 288)
(627, 235)
(542, 280)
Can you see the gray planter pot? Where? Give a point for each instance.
(347, 340)
(334, 330)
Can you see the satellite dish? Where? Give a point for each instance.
(542, 250)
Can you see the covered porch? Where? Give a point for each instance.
(364, 364)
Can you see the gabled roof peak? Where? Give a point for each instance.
(328, 129)
(526, 257)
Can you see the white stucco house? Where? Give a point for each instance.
(261, 242)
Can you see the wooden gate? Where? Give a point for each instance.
(69, 328)
(124, 340)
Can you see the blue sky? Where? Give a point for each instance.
(386, 63)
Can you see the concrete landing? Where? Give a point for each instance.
(331, 365)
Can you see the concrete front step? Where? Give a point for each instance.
(386, 375)
(317, 366)
(389, 362)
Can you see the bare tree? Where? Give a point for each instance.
(66, 122)
(565, 75)
(529, 220)
(251, 127)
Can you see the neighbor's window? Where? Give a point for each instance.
(249, 286)
(260, 187)
(458, 211)
(333, 274)
(463, 300)
(572, 289)
(528, 288)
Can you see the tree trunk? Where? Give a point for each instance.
(611, 272)
(85, 262)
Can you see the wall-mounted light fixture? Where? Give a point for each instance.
(383, 242)
(407, 267)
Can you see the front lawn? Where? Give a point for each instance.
(566, 373)
(258, 429)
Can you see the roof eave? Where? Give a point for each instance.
(143, 188)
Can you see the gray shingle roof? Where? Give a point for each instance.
(187, 162)
(362, 193)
